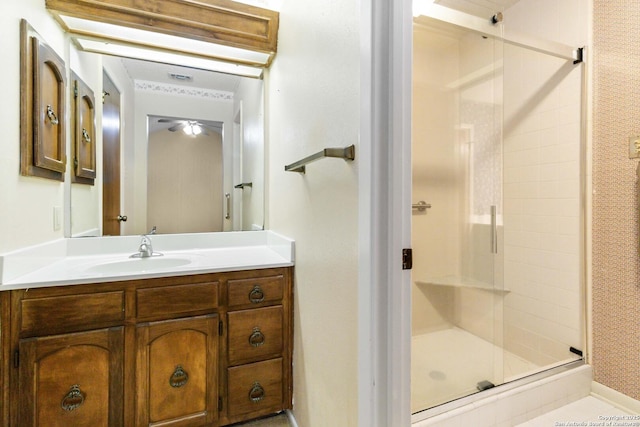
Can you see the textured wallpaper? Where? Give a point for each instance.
(616, 259)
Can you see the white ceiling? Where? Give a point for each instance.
(157, 72)
(160, 73)
(482, 8)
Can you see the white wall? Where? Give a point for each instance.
(312, 102)
(184, 182)
(250, 95)
(26, 203)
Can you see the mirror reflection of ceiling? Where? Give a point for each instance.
(474, 7)
(176, 124)
(177, 75)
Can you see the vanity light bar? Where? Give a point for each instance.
(182, 44)
(87, 29)
(127, 51)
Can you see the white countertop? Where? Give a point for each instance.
(105, 259)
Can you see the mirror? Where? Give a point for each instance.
(161, 182)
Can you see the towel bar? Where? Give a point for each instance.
(347, 153)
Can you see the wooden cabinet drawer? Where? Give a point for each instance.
(254, 334)
(260, 290)
(176, 300)
(255, 387)
(68, 313)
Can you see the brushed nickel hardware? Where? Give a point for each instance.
(256, 339)
(122, 218)
(85, 136)
(52, 115)
(256, 295)
(421, 206)
(498, 17)
(73, 399)
(494, 230)
(256, 394)
(145, 250)
(243, 185)
(179, 377)
(347, 153)
(227, 196)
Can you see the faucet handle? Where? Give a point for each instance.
(145, 249)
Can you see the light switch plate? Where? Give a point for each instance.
(634, 147)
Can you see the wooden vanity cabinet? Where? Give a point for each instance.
(71, 380)
(257, 376)
(203, 350)
(176, 372)
(67, 358)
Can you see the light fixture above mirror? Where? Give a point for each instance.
(219, 35)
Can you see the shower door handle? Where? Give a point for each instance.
(494, 229)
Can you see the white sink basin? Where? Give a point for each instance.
(135, 265)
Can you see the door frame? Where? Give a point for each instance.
(117, 168)
(384, 288)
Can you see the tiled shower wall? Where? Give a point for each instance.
(616, 262)
(542, 311)
(542, 139)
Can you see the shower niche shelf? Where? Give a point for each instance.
(460, 282)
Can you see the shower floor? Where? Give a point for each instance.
(448, 364)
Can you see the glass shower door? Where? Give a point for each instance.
(456, 223)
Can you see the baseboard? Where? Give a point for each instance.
(292, 419)
(615, 398)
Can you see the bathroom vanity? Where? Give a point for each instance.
(174, 345)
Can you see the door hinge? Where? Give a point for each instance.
(219, 404)
(220, 328)
(407, 259)
(16, 359)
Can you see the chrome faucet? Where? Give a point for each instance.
(146, 249)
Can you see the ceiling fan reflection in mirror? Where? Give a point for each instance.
(191, 127)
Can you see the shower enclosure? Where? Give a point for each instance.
(497, 220)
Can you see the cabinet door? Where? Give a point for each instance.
(177, 372)
(71, 380)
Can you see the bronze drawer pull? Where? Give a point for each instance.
(256, 394)
(85, 136)
(256, 295)
(179, 377)
(73, 399)
(52, 116)
(256, 339)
